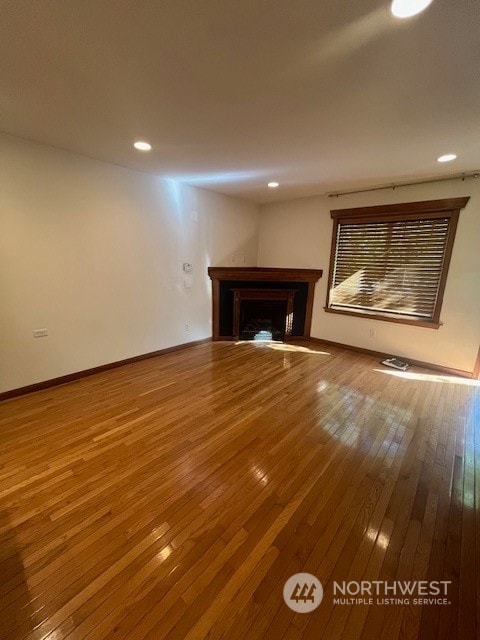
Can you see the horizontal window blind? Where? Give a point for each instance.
(389, 266)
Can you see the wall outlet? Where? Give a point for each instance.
(233, 259)
(40, 333)
(373, 334)
(187, 283)
(187, 326)
(244, 259)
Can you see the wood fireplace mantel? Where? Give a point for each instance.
(261, 274)
(265, 273)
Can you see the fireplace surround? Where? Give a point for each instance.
(291, 289)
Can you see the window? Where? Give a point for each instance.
(391, 262)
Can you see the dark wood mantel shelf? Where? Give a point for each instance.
(265, 275)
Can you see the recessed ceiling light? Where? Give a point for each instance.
(273, 185)
(448, 157)
(142, 145)
(409, 8)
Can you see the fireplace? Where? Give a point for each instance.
(262, 314)
(252, 302)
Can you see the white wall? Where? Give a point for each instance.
(94, 252)
(298, 234)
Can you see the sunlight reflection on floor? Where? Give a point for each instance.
(283, 346)
(430, 377)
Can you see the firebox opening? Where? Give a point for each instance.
(262, 320)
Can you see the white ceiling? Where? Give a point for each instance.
(319, 95)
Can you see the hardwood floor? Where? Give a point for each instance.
(172, 498)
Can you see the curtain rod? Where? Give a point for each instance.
(460, 176)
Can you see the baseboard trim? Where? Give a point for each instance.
(72, 377)
(380, 354)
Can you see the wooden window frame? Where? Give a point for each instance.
(425, 210)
